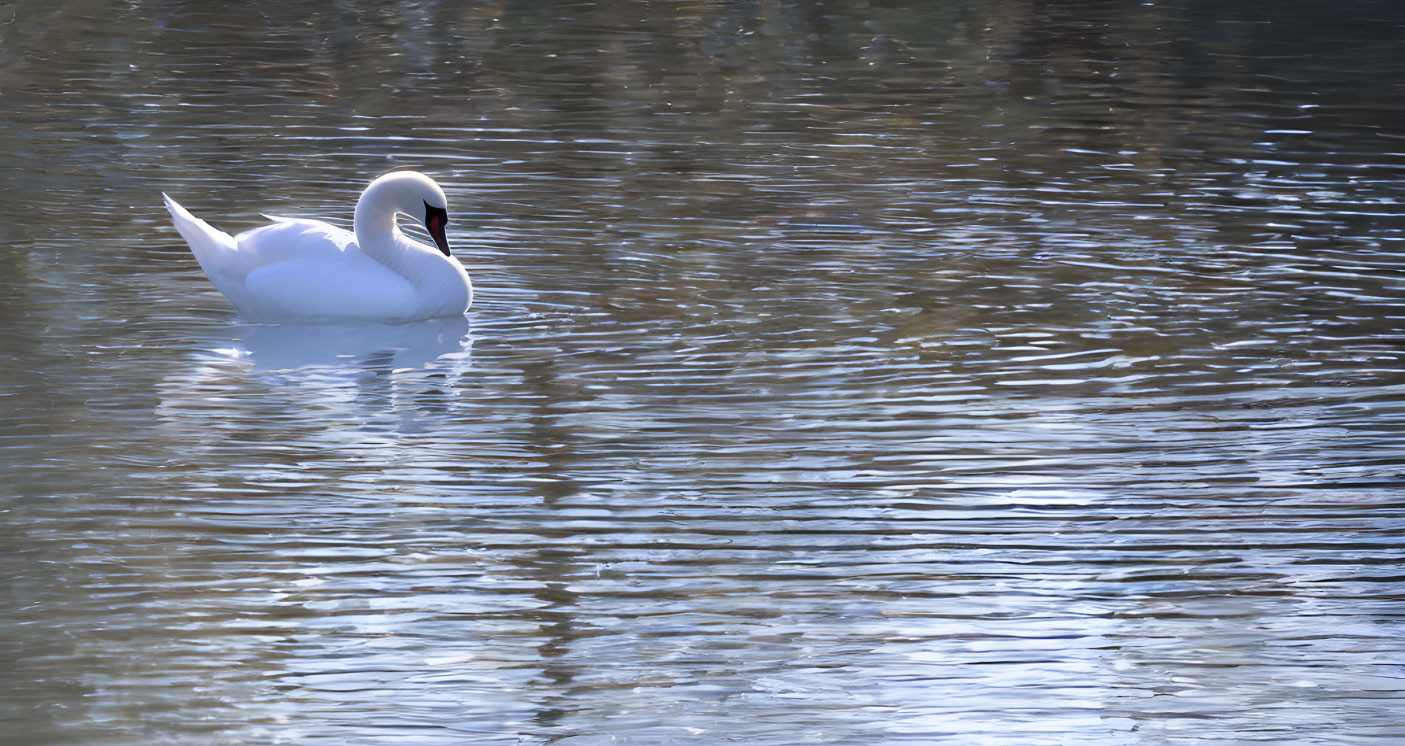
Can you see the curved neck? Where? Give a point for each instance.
(374, 225)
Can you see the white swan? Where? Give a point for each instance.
(307, 271)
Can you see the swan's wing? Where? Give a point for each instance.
(313, 290)
(307, 270)
(294, 238)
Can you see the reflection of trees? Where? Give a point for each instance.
(629, 87)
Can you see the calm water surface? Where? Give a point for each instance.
(1002, 372)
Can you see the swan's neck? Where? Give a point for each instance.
(376, 232)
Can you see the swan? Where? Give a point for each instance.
(308, 271)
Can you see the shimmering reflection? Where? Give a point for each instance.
(435, 342)
(842, 372)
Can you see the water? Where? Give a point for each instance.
(905, 372)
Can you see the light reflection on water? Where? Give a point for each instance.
(1001, 373)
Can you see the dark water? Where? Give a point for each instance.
(1010, 372)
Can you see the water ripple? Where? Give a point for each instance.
(854, 375)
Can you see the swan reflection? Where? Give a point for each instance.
(267, 379)
(418, 344)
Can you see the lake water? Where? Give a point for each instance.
(840, 372)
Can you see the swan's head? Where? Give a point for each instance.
(416, 195)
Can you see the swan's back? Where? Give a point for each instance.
(293, 238)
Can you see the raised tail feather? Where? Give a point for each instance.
(213, 248)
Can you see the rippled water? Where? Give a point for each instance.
(840, 372)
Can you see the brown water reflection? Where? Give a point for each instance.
(841, 372)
